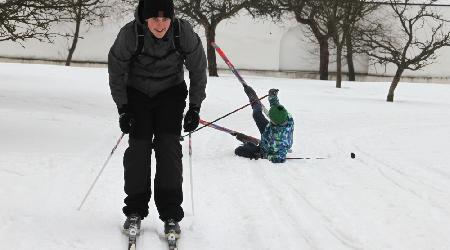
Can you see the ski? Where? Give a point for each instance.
(240, 136)
(229, 64)
(239, 77)
(172, 241)
(132, 232)
(132, 242)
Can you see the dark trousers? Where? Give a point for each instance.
(157, 126)
(250, 150)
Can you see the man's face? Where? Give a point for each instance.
(158, 26)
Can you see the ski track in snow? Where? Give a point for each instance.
(345, 239)
(403, 180)
(61, 124)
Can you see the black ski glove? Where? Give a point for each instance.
(192, 118)
(125, 119)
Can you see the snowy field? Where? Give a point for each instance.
(59, 124)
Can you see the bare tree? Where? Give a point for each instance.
(208, 14)
(345, 17)
(310, 15)
(410, 43)
(21, 20)
(334, 15)
(80, 12)
(307, 12)
(356, 22)
(123, 7)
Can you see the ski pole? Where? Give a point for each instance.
(220, 118)
(191, 175)
(306, 158)
(239, 136)
(228, 63)
(235, 72)
(101, 171)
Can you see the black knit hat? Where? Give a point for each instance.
(158, 8)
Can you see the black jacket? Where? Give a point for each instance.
(159, 66)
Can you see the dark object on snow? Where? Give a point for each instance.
(352, 155)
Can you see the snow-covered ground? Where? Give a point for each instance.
(59, 124)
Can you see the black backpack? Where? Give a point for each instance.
(176, 34)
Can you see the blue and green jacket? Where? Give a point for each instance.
(276, 140)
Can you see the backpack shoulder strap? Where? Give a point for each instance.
(176, 36)
(140, 41)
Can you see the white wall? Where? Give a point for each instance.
(93, 47)
(297, 53)
(250, 44)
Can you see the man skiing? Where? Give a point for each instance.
(146, 78)
(276, 134)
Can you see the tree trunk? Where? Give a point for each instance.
(395, 81)
(75, 38)
(351, 66)
(324, 58)
(339, 66)
(211, 53)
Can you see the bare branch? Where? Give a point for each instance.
(208, 14)
(412, 44)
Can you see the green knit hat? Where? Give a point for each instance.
(278, 114)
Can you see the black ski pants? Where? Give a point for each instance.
(250, 150)
(157, 126)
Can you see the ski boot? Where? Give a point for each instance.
(251, 94)
(172, 231)
(132, 225)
